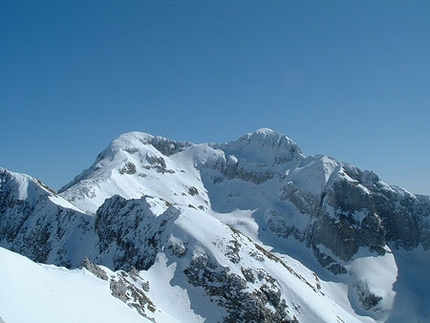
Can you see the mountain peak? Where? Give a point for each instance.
(132, 138)
(264, 146)
(267, 131)
(133, 141)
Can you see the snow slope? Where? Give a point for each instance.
(37, 293)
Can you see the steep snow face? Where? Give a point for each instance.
(313, 174)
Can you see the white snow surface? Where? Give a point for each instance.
(38, 293)
(173, 301)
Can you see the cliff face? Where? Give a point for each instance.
(37, 223)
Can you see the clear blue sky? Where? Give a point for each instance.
(350, 79)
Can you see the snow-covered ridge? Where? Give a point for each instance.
(135, 159)
(250, 230)
(26, 188)
(121, 169)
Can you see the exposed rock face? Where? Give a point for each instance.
(128, 287)
(367, 299)
(33, 225)
(94, 269)
(129, 233)
(348, 219)
(368, 213)
(352, 215)
(231, 291)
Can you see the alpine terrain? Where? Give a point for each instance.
(252, 230)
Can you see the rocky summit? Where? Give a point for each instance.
(246, 231)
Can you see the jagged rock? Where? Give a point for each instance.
(367, 299)
(231, 292)
(129, 168)
(94, 269)
(127, 292)
(131, 229)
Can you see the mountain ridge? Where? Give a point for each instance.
(231, 218)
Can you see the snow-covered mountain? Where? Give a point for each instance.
(246, 231)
